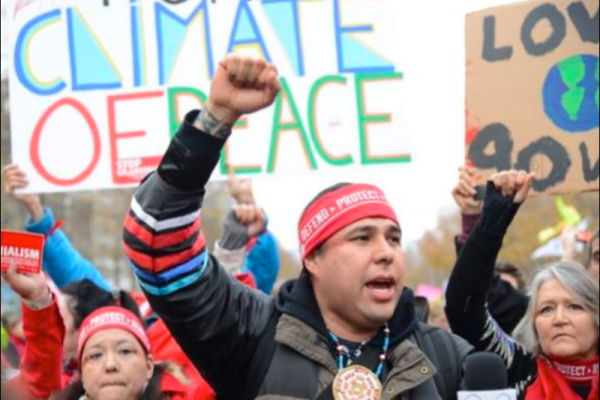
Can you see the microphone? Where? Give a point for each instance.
(486, 378)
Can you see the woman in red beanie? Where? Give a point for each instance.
(113, 350)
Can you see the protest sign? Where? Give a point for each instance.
(98, 88)
(25, 250)
(533, 93)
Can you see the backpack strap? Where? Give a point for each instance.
(442, 350)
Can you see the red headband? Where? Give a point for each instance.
(337, 210)
(111, 318)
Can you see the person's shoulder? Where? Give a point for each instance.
(424, 329)
(427, 329)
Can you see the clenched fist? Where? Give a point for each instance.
(515, 184)
(242, 85)
(251, 216)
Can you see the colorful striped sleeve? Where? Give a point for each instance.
(165, 255)
(163, 237)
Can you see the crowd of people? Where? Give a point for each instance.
(206, 325)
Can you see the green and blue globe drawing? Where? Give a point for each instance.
(572, 94)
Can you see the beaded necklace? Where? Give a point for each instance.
(345, 358)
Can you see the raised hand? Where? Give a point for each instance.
(240, 190)
(16, 179)
(30, 287)
(515, 184)
(242, 86)
(569, 243)
(464, 193)
(251, 216)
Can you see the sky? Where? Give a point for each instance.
(420, 192)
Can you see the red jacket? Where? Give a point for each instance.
(41, 363)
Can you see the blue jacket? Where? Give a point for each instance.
(264, 262)
(63, 263)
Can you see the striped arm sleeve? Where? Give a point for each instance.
(166, 255)
(163, 237)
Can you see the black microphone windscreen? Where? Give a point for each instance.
(485, 372)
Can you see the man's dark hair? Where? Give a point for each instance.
(595, 237)
(88, 297)
(514, 271)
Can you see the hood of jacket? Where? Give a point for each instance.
(297, 299)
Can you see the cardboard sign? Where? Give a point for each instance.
(25, 250)
(509, 394)
(533, 93)
(98, 88)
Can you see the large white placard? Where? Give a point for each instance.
(98, 87)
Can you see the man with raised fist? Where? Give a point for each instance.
(347, 328)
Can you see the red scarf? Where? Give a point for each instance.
(554, 385)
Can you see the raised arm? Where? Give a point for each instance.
(242, 224)
(217, 321)
(62, 261)
(261, 251)
(507, 305)
(471, 280)
(41, 366)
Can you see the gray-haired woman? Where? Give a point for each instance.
(556, 357)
